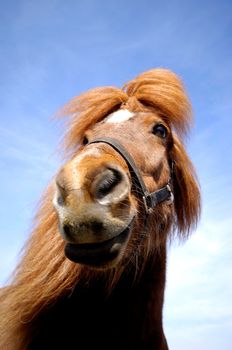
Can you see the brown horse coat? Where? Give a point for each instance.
(115, 302)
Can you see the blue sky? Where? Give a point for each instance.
(51, 51)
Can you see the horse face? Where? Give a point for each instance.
(100, 217)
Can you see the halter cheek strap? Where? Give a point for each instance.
(150, 199)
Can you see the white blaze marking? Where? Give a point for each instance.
(119, 116)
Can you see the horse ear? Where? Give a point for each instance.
(186, 190)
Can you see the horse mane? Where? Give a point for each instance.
(44, 274)
(158, 90)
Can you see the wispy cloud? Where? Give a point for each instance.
(198, 295)
(27, 163)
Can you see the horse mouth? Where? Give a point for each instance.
(98, 254)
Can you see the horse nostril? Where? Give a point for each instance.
(60, 186)
(109, 180)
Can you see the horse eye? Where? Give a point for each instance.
(85, 141)
(160, 131)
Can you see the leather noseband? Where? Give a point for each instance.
(150, 199)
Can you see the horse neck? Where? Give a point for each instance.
(146, 295)
(133, 308)
(141, 300)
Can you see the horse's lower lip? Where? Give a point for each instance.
(97, 254)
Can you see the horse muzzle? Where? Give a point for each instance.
(99, 254)
(95, 219)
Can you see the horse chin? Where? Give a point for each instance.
(101, 255)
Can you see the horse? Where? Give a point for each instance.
(93, 270)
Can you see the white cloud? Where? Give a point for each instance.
(198, 293)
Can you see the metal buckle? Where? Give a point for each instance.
(148, 206)
(171, 198)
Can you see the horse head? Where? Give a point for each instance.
(126, 145)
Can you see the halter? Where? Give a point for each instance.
(150, 199)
